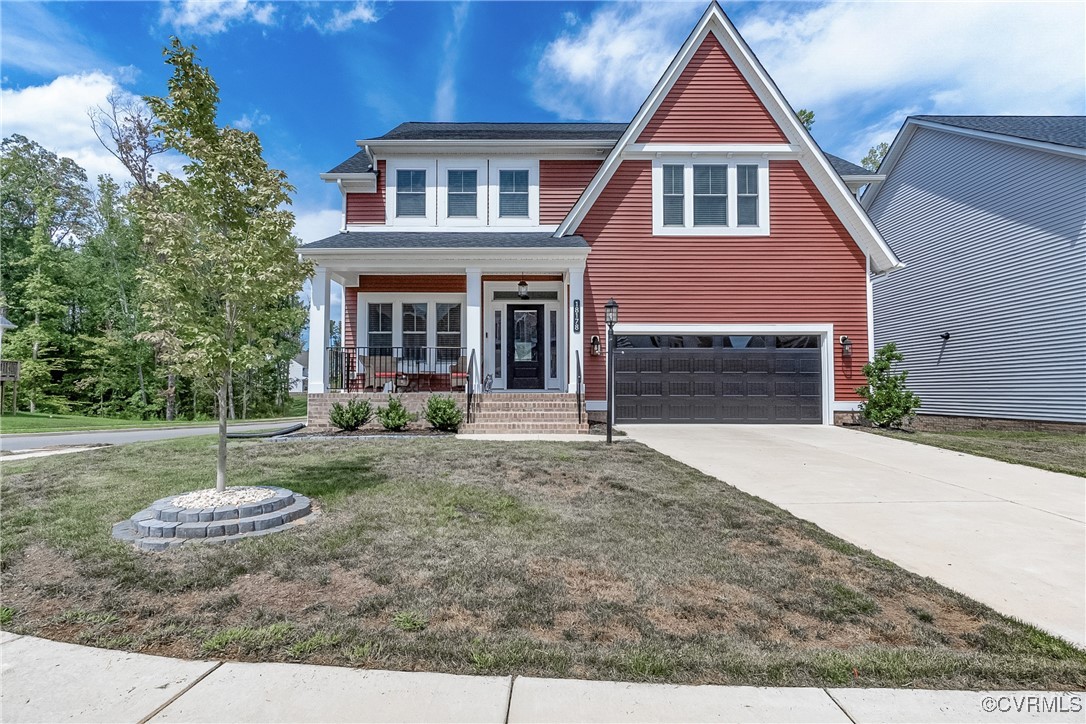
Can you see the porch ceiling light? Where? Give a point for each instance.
(522, 289)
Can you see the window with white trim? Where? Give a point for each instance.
(379, 328)
(411, 192)
(414, 330)
(463, 190)
(513, 193)
(710, 195)
(449, 328)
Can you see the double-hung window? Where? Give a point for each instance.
(674, 198)
(379, 329)
(449, 326)
(414, 330)
(513, 193)
(747, 192)
(710, 195)
(463, 192)
(411, 193)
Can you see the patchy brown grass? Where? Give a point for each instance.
(1060, 452)
(466, 556)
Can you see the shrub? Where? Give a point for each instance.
(395, 416)
(351, 416)
(443, 414)
(886, 400)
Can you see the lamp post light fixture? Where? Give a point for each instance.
(846, 346)
(522, 289)
(610, 315)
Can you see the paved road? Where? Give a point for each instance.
(46, 681)
(1010, 536)
(120, 437)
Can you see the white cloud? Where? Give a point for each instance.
(603, 68)
(362, 11)
(317, 224)
(249, 121)
(445, 95)
(208, 17)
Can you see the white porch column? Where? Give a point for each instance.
(318, 330)
(474, 326)
(575, 315)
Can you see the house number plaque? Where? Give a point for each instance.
(576, 316)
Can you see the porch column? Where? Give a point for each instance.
(318, 330)
(474, 326)
(576, 325)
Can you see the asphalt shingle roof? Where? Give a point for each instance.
(847, 168)
(447, 240)
(1061, 130)
(358, 163)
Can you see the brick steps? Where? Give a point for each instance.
(526, 412)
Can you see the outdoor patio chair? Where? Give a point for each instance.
(458, 374)
(378, 371)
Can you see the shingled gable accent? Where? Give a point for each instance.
(711, 102)
(716, 24)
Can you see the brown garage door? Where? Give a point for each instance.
(714, 378)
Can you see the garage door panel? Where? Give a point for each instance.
(699, 384)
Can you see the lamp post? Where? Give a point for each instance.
(610, 315)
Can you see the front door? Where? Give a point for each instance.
(524, 358)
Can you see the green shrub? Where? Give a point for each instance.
(351, 416)
(395, 416)
(886, 400)
(443, 414)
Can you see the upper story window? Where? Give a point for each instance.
(411, 192)
(706, 195)
(463, 185)
(513, 193)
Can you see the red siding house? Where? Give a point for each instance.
(476, 259)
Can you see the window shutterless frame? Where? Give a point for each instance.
(411, 193)
(673, 195)
(513, 193)
(463, 192)
(710, 192)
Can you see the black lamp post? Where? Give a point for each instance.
(610, 315)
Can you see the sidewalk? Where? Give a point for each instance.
(46, 681)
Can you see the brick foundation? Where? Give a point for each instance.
(952, 423)
(320, 404)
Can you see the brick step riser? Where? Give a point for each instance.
(522, 427)
(526, 408)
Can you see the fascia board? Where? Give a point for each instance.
(1002, 138)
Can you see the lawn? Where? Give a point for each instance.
(26, 422)
(532, 558)
(1061, 452)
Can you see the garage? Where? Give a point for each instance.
(773, 379)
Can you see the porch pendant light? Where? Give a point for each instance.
(522, 289)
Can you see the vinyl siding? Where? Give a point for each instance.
(350, 315)
(368, 208)
(436, 283)
(711, 102)
(561, 183)
(994, 241)
(808, 270)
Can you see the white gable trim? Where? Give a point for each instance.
(908, 130)
(814, 162)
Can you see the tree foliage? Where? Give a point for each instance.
(886, 399)
(222, 274)
(806, 117)
(874, 156)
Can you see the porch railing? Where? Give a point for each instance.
(473, 375)
(580, 385)
(398, 369)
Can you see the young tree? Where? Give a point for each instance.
(806, 117)
(886, 400)
(222, 263)
(874, 156)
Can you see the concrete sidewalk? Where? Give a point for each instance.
(46, 681)
(1010, 536)
(26, 441)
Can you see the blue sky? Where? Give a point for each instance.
(312, 77)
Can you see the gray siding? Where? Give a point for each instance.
(994, 241)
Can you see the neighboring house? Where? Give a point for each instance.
(990, 313)
(298, 372)
(479, 256)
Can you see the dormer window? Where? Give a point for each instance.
(411, 193)
(710, 195)
(513, 193)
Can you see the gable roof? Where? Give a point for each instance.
(1060, 130)
(446, 240)
(813, 160)
(1064, 135)
(847, 168)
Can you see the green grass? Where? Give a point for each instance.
(1061, 452)
(530, 558)
(25, 422)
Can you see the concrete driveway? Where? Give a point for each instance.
(1010, 536)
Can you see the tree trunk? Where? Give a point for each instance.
(171, 401)
(34, 353)
(230, 393)
(143, 389)
(220, 465)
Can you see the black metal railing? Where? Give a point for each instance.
(398, 369)
(469, 389)
(580, 385)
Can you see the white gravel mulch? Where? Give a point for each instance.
(212, 498)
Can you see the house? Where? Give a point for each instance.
(477, 258)
(990, 312)
(298, 373)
